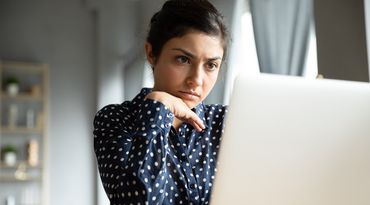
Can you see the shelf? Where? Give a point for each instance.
(12, 178)
(24, 66)
(27, 166)
(22, 97)
(20, 130)
(31, 105)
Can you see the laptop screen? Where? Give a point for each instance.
(290, 140)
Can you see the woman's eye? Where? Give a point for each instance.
(212, 66)
(182, 59)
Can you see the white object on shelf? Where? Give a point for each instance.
(13, 114)
(30, 118)
(10, 158)
(33, 152)
(12, 89)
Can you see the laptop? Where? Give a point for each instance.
(295, 141)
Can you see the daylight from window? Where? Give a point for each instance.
(249, 49)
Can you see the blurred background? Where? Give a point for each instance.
(69, 58)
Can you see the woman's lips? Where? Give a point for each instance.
(188, 95)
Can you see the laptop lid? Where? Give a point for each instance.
(295, 141)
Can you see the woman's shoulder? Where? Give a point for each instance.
(124, 109)
(113, 109)
(112, 113)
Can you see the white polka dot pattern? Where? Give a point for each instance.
(142, 159)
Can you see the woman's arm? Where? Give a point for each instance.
(130, 148)
(178, 108)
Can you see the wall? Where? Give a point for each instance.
(59, 33)
(341, 39)
(117, 26)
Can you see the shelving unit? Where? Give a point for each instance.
(23, 126)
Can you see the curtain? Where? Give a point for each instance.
(235, 59)
(281, 29)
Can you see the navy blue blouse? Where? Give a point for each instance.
(142, 159)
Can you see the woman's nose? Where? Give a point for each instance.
(195, 77)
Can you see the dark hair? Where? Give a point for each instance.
(177, 17)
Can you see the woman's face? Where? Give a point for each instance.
(188, 66)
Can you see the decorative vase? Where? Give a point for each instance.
(10, 158)
(12, 89)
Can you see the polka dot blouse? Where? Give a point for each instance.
(142, 159)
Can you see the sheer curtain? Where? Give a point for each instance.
(282, 29)
(238, 58)
(367, 22)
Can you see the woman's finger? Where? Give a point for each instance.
(196, 122)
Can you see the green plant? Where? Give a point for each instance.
(11, 80)
(8, 148)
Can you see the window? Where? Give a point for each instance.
(250, 55)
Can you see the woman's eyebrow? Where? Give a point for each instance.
(214, 58)
(193, 56)
(185, 52)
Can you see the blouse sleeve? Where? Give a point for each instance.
(130, 148)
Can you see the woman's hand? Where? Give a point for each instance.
(178, 108)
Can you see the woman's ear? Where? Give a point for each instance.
(149, 54)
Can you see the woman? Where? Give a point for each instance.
(161, 147)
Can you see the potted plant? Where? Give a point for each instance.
(12, 85)
(9, 153)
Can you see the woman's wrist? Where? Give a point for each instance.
(162, 97)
